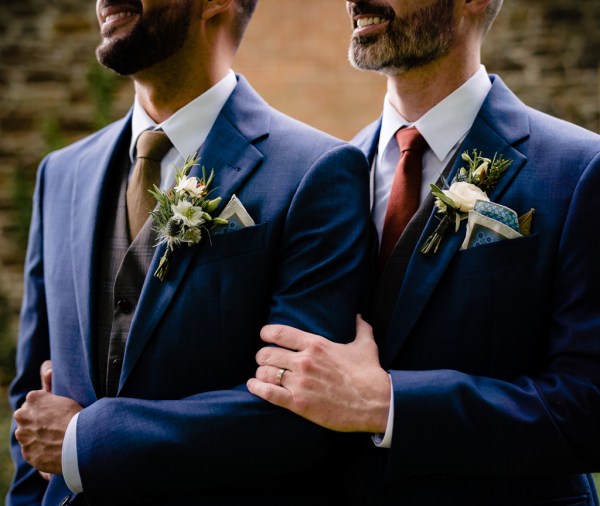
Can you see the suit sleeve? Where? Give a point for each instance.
(27, 487)
(216, 438)
(451, 423)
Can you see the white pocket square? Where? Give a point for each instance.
(236, 215)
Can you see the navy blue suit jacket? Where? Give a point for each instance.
(179, 430)
(494, 351)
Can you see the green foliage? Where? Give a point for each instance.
(23, 181)
(7, 343)
(103, 85)
(53, 136)
(6, 465)
(7, 361)
(22, 190)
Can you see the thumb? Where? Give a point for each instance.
(46, 375)
(364, 331)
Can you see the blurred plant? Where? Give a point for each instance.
(103, 85)
(23, 182)
(7, 345)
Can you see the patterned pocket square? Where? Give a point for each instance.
(489, 222)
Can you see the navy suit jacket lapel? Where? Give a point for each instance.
(500, 127)
(367, 140)
(230, 151)
(91, 179)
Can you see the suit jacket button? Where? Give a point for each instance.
(116, 363)
(125, 306)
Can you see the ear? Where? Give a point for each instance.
(212, 8)
(476, 7)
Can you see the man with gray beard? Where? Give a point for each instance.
(481, 385)
(144, 320)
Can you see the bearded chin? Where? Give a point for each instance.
(378, 55)
(121, 56)
(393, 55)
(407, 43)
(155, 38)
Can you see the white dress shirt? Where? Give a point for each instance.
(187, 129)
(444, 127)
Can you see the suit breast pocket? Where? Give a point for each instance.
(486, 311)
(497, 255)
(231, 244)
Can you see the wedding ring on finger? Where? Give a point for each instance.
(279, 376)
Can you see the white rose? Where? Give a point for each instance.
(464, 195)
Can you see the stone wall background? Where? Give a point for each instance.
(53, 92)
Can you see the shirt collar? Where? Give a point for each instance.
(189, 127)
(444, 125)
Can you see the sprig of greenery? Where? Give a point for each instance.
(184, 212)
(481, 172)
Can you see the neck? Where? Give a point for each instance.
(168, 86)
(415, 92)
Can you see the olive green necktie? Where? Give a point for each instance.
(152, 146)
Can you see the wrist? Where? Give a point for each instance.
(380, 403)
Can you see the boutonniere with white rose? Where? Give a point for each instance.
(184, 213)
(469, 187)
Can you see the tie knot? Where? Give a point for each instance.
(410, 139)
(153, 145)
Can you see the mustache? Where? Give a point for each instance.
(366, 7)
(106, 4)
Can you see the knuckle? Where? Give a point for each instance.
(268, 356)
(268, 391)
(261, 373)
(305, 387)
(27, 455)
(277, 333)
(374, 347)
(319, 346)
(32, 396)
(304, 363)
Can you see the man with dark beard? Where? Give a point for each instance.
(482, 386)
(142, 398)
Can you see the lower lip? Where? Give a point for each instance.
(366, 30)
(118, 22)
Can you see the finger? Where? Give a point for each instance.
(46, 476)
(276, 357)
(364, 331)
(271, 393)
(272, 375)
(18, 415)
(46, 375)
(286, 337)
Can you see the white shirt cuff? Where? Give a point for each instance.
(385, 440)
(70, 467)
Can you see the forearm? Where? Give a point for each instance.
(446, 420)
(198, 443)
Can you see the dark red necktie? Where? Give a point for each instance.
(406, 190)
